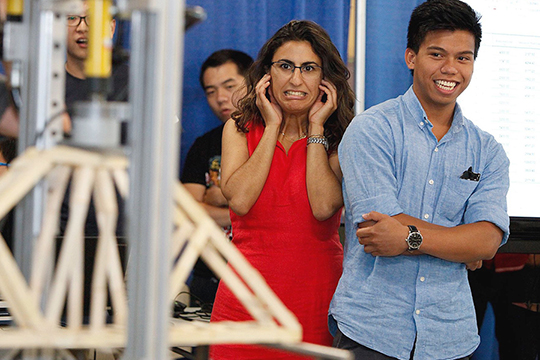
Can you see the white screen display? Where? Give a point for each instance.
(504, 95)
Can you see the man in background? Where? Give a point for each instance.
(77, 88)
(222, 79)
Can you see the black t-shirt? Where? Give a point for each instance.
(4, 95)
(203, 160)
(78, 89)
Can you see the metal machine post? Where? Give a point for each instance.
(35, 42)
(157, 40)
(360, 56)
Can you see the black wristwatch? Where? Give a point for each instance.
(414, 240)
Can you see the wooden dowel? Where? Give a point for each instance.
(19, 181)
(44, 251)
(183, 267)
(255, 281)
(106, 215)
(108, 264)
(79, 157)
(184, 229)
(252, 304)
(22, 305)
(186, 201)
(70, 260)
(121, 180)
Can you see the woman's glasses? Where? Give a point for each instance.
(308, 70)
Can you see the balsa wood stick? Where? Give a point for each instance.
(70, 261)
(44, 251)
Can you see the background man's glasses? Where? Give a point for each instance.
(4, 164)
(75, 20)
(308, 71)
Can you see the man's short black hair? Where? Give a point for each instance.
(434, 15)
(242, 60)
(8, 149)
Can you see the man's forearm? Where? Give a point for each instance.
(464, 243)
(9, 122)
(219, 214)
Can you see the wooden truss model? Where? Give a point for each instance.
(54, 293)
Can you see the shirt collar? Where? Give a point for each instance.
(419, 115)
(415, 108)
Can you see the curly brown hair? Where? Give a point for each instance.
(334, 70)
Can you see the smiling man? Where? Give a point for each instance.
(425, 197)
(77, 41)
(222, 79)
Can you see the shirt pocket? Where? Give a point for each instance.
(455, 196)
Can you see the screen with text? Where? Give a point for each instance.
(504, 95)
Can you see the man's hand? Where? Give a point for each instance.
(66, 123)
(213, 196)
(382, 235)
(475, 265)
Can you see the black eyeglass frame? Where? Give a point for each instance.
(80, 20)
(294, 67)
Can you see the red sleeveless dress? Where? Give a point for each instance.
(299, 256)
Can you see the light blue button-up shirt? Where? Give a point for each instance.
(392, 163)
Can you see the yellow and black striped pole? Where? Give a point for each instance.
(14, 10)
(99, 62)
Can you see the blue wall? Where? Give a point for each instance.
(387, 76)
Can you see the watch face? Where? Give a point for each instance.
(414, 240)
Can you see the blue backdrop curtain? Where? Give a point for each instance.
(244, 25)
(387, 76)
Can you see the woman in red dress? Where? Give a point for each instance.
(281, 176)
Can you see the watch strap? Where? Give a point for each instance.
(412, 228)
